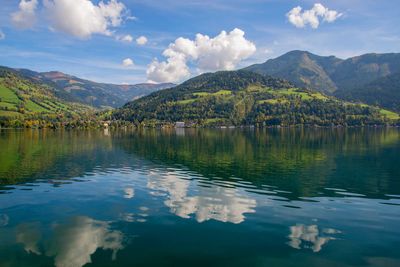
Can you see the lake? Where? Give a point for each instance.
(187, 197)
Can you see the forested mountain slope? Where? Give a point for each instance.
(246, 98)
(383, 92)
(27, 103)
(99, 95)
(331, 74)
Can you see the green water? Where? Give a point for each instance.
(283, 197)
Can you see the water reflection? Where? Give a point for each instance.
(300, 161)
(214, 202)
(310, 237)
(139, 217)
(163, 186)
(29, 235)
(72, 243)
(45, 155)
(129, 192)
(3, 220)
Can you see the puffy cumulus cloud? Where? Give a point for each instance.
(2, 35)
(300, 18)
(142, 40)
(172, 70)
(222, 52)
(127, 62)
(82, 18)
(25, 17)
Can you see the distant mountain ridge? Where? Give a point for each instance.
(328, 73)
(237, 98)
(384, 92)
(25, 103)
(99, 95)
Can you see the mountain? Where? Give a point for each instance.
(358, 71)
(99, 95)
(383, 92)
(329, 74)
(302, 69)
(246, 98)
(27, 103)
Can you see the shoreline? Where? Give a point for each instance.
(207, 127)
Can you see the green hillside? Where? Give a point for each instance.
(247, 98)
(25, 103)
(99, 95)
(383, 92)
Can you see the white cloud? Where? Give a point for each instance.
(127, 62)
(25, 17)
(2, 35)
(300, 18)
(82, 18)
(125, 38)
(222, 52)
(142, 40)
(172, 70)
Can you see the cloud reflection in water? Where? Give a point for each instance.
(29, 235)
(73, 243)
(309, 236)
(129, 193)
(4, 220)
(219, 203)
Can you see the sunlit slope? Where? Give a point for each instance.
(246, 98)
(22, 99)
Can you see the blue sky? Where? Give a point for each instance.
(51, 37)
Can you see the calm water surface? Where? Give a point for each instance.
(180, 197)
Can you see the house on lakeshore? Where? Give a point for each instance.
(180, 124)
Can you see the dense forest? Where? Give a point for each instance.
(226, 98)
(236, 98)
(384, 92)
